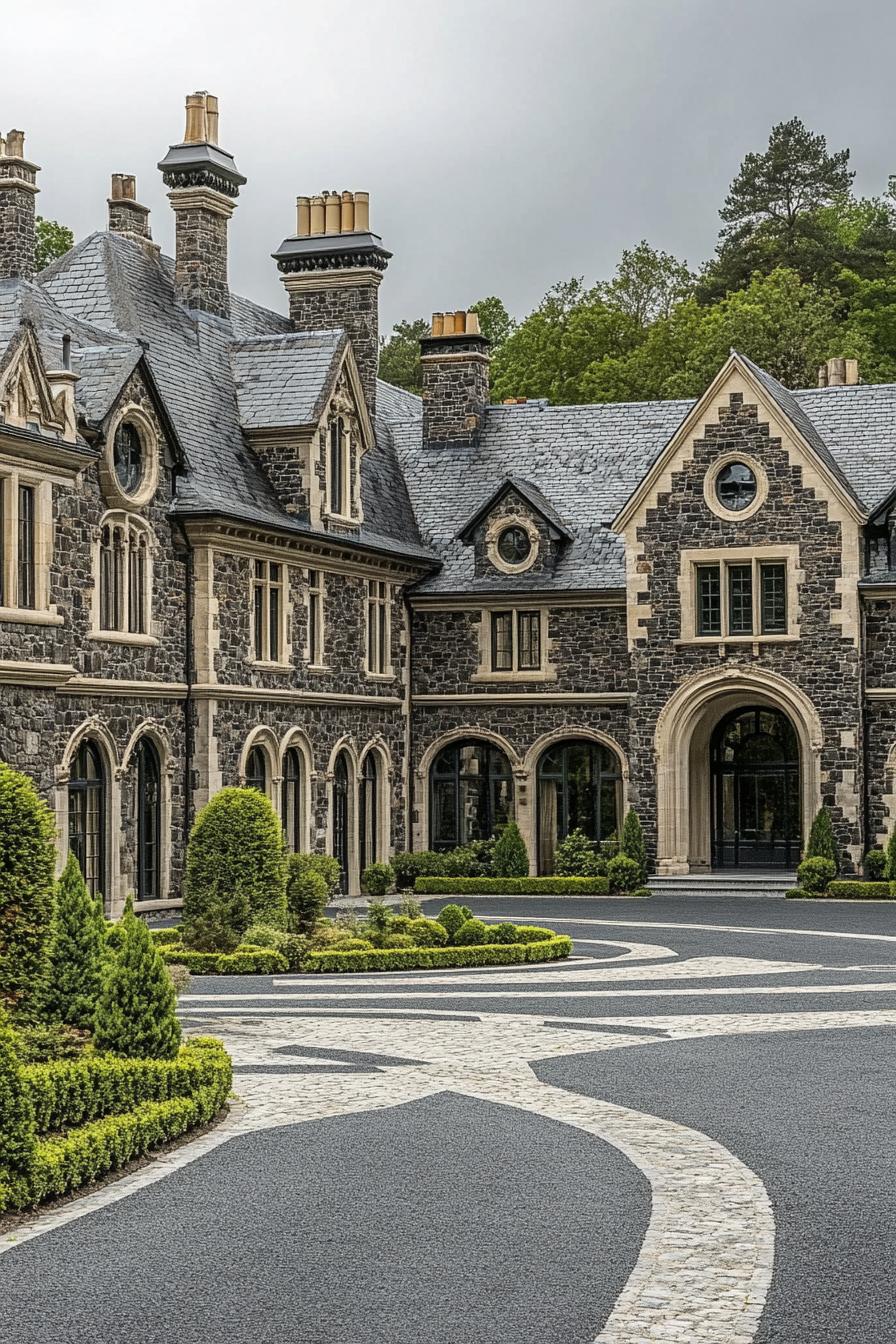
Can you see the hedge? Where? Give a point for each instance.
(432, 958)
(183, 1093)
(511, 886)
(244, 961)
(849, 891)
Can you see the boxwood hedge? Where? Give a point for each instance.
(244, 961)
(849, 891)
(550, 948)
(511, 886)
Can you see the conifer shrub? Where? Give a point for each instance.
(577, 856)
(306, 893)
(873, 865)
(235, 871)
(136, 1015)
(77, 951)
(18, 1134)
(632, 843)
(821, 843)
(27, 864)
(511, 858)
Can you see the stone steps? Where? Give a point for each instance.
(756, 883)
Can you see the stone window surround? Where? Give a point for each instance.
(484, 672)
(344, 513)
(283, 661)
(499, 525)
(321, 590)
(715, 505)
(136, 416)
(118, 518)
(43, 612)
(691, 559)
(374, 599)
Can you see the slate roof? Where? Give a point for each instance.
(284, 380)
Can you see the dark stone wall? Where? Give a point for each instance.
(513, 504)
(880, 672)
(17, 221)
(455, 388)
(354, 308)
(200, 269)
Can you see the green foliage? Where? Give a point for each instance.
(379, 917)
(245, 960)
(160, 936)
(399, 362)
(821, 843)
(473, 932)
(306, 892)
(397, 940)
(329, 869)
(460, 862)
(136, 1014)
(17, 1126)
(502, 933)
(511, 886)
(624, 874)
(39, 1042)
(890, 864)
(451, 917)
(495, 322)
(873, 865)
(27, 862)
(511, 858)
(814, 874)
(577, 856)
(552, 948)
(235, 870)
(648, 284)
(859, 891)
(408, 866)
(51, 241)
(263, 935)
(77, 951)
(378, 879)
(632, 843)
(427, 932)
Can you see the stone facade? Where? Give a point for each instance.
(17, 213)
(201, 254)
(455, 387)
(350, 302)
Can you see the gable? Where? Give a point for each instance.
(28, 400)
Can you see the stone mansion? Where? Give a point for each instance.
(229, 555)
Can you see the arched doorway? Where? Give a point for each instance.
(87, 815)
(579, 788)
(149, 821)
(341, 817)
(755, 774)
(470, 793)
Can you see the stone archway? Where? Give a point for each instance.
(682, 741)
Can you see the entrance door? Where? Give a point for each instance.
(756, 791)
(341, 818)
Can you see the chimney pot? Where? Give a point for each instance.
(852, 372)
(15, 145)
(317, 214)
(836, 372)
(347, 221)
(438, 324)
(195, 132)
(362, 212)
(332, 212)
(211, 118)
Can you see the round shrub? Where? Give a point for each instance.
(27, 865)
(262, 935)
(623, 873)
(235, 871)
(502, 933)
(345, 942)
(77, 951)
(533, 933)
(162, 936)
(397, 940)
(427, 933)
(136, 1015)
(452, 917)
(874, 863)
(472, 932)
(325, 866)
(576, 856)
(815, 873)
(378, 879)
(460, 862)
(295, 949)
(511, 858)
(306, 893)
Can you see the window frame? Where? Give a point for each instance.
(15, 485)
(338, 474)
(758, 561)
(315, 648)
(123, 563)
(268, 595)
(378, 629)
(503, 660)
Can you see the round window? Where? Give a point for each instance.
(514, 545)
(736, 486)
(128, 457)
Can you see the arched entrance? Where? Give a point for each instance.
(755, 782)
(579, 788)
(470, 793)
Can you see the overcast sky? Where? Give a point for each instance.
(505, 144)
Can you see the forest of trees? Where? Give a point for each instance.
(803, 270)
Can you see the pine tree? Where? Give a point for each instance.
(632, 842)
(511, 858)
(77, 951)
(822, 844)
(27, 862)
(136, 1014)
(890, 865)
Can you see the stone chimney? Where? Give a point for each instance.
(838, 373)
(332, 267)
(18, 188)
(126, 216)
(455, 363)
(204, 184)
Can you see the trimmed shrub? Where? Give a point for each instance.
(512, 886)
(472, 933)
(623, 873)
(890, 863)
(18, 1133)
(873, 864)
(423, 863)
(377, 879)
(295, 950)
(576, 856)
(640, 892)
(27, 865)
(330, 870)
(39, 1042)
(531, 933)
(235, 870)
(434, 958)
(306, 893)
(511, 858)
(460, 862)
(452, 916)
(397, 940)
(502, 933)
(136, 1014)
(244, 961)
(821, 843)
(427, 932)
(814, 874)
(160, 936)
(77, 951)
(262, 935)
(632, 845)
(858, 891)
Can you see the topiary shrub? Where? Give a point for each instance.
(873, 865)
(511, 857)
(397, 940)
(77, 951)
(427, 933)
(473, 932)
(18, 1135)
(306, 893)
(378, 879)
(235, 870)
(160, 936)
(632, 845)
(325, 866)
(821, 843)
(136, 1015)
(814, 874)
(27, 864)
(452, 917)
(502, 933)
(623, 873)
(576, 856)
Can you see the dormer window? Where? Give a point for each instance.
(514, 545)
(338, 468)
(128, 457)
(130, 465)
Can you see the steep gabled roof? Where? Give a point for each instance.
(532, 495)
(286, 379)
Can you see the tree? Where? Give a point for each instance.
(511, 858)
(647, 284)
(822, 843)
(136, 1015)
(51, 241)
(77, 951)
(18, 1140)
(631, 843)
(399, 362)
(27, 863)
(495, 322)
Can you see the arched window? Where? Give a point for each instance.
(291, 799)
(149, 821)
(87, 815)
(579, 788)
(341, 816)
(370, 810)
(755, 762)
(470, 793)
(124, 576)
(337, 467)
(257, 770)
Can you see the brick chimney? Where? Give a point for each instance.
(838, 373)
(204, 184)
(126, 216)
(455, 363)
(18, 188)
(332, 268)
